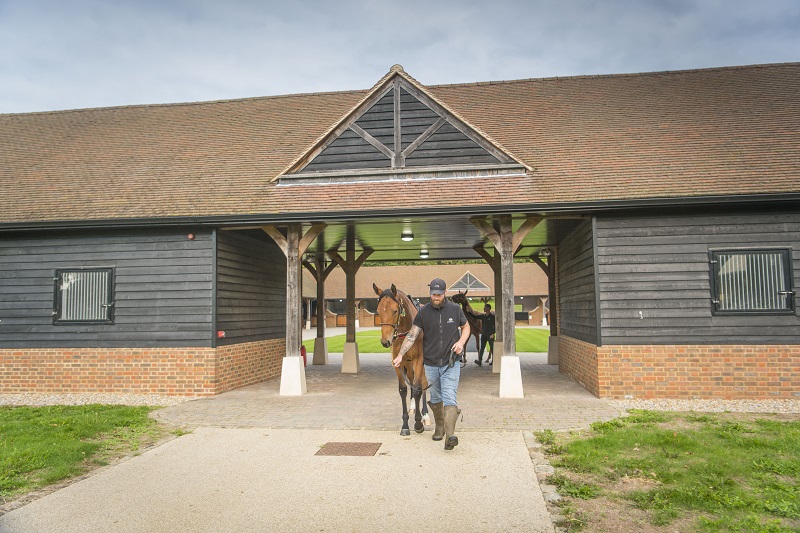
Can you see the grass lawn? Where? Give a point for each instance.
(528, 340)
(658, 471)
(43, 445)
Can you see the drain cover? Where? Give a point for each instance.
(349, 448)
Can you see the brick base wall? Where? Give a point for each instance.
(168, 371)
(244, 364)
(578, 360)
(727, 372)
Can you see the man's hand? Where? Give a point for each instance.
(458, 348)
(397, 361)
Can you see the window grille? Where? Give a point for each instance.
(752, 281)
(84, 295)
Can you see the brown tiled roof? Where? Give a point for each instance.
(725, 131)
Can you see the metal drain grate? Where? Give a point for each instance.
(349, 448)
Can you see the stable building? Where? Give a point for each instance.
(160, 248)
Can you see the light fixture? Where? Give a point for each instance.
(545, 252)
(423, 254)
(407, 235)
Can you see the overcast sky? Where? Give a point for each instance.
(68, 54)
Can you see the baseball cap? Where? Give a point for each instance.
(437, 286)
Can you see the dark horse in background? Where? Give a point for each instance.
(473, 319)
(396, 312)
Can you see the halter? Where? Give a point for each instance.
(401, 313)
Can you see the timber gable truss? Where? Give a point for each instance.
(399, 131)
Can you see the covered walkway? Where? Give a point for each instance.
(369, 400)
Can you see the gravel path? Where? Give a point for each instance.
(713, 406)
(37, 400)
(708, 406)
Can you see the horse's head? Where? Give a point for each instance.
(390, 312)
(460, 298)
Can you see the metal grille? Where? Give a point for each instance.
(359, 449)
(752, 281)
(84, 295)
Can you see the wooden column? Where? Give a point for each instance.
(494, 262)
(350, 265)
(506, 242)
(550, 270)
(320, 271)
(293, 245)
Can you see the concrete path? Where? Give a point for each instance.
(250, 464)
(241, 480)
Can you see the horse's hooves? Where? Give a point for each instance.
(405, 432)
(418, 427)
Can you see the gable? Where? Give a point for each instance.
(468, 282)
(400, 129)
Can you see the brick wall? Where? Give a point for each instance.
(244, 364)
(168, 371)
(730, 372)
(578, 360)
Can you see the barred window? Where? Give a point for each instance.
(84, 295)
(752, 282)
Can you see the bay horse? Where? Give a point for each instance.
(396, 312)
(473, 319)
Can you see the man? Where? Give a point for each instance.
(487, 334)
(440, 321)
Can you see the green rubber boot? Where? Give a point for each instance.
(451, 413)
(438, 417)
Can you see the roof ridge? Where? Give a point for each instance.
(619, 75)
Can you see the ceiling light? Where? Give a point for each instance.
(407, 235)
(423, 254)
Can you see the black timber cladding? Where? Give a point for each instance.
(162, 288)
(577, 303)
(251, 287)
(654, 277)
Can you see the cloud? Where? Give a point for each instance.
(90, 53)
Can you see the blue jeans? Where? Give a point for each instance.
(443, 389)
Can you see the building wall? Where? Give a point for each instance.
(732, 371)
(198, 371)
(168, 371)
(239, 365)
(251, 288)
(161, 341)
(654, 278)
(577, 317)
(162, 288)
(578, 360)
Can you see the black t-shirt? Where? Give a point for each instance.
(488, 323)
(440, 331)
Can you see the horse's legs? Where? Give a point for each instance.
(416, 393)
(403, 392)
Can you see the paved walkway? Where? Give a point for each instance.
(370, 400)
(251, 463)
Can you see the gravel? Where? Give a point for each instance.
(709, 406)
(713, 406)
(39, 399)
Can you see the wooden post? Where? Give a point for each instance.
(350, 265)
(293, 245)
(494, 262)
(550, 270)
(320, 271)
(506, 242)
